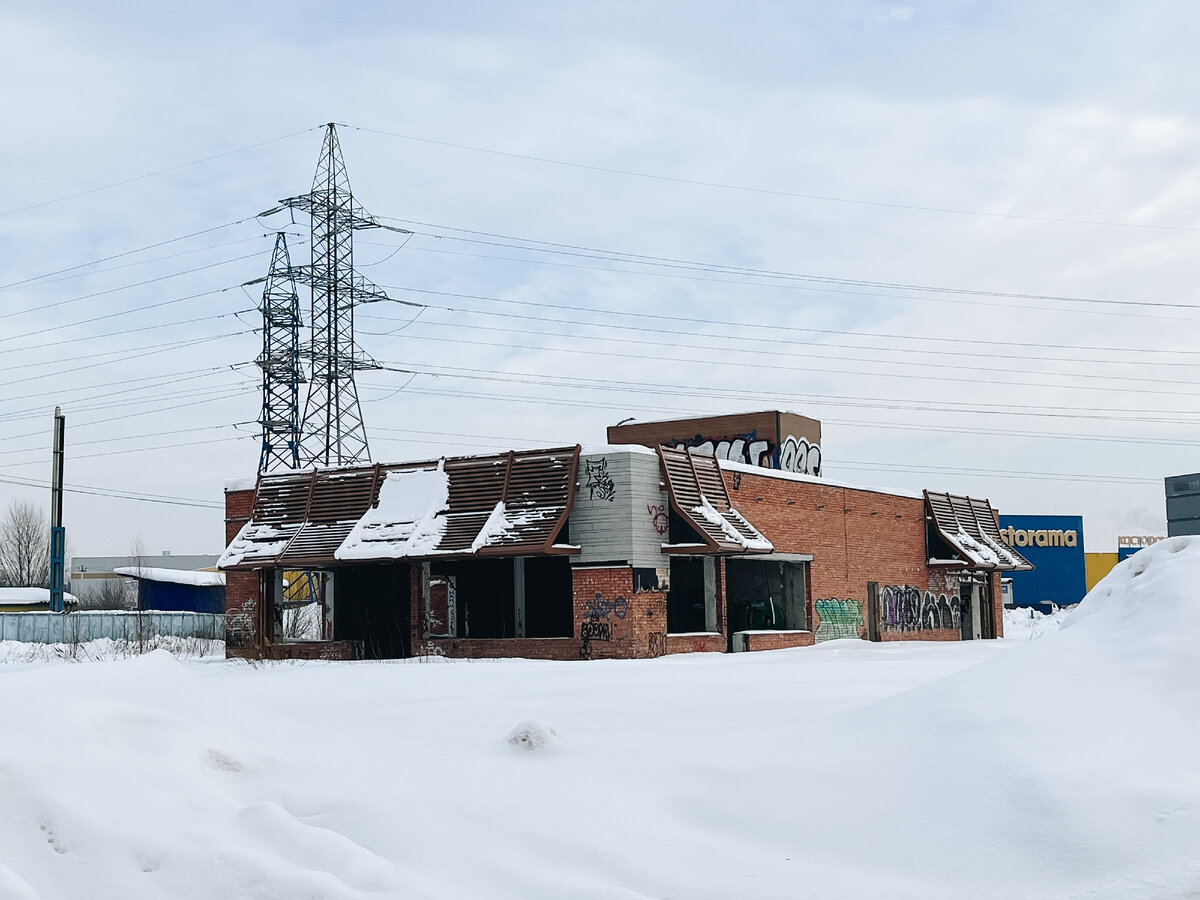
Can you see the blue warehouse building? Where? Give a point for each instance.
(174, 590)
(1054, 544)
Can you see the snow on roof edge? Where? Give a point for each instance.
(173, 576)
(814, 479)
(604, 449)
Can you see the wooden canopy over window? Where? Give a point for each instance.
(972, 530)
(699, 496)
(512, 504)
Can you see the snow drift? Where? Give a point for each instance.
(1061, 767)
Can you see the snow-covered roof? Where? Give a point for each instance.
(610, 449)
(173, 576)
(406, 519)
(25, 596)
(506, 504)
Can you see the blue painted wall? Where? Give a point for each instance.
(1059, 576)
(165, 595)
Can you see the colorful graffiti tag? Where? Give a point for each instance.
(839, 619)
(907, 608)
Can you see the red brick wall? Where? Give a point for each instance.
(611, 621)
(333, 650)
(498, 648)
(774, 640)
(695, 643)
(241, 588)
(854, 536)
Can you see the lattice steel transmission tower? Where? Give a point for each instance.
(332, 430)
(280, 364)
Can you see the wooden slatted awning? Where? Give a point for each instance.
(972, 530)
(511, 504)
(699, 496)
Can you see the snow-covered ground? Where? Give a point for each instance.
(1058, 767)
(1026, 624)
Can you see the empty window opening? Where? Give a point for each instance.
(303, 605)
(500, 598)
(765, 594)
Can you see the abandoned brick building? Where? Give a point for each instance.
(706, 535)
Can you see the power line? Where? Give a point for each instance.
(674, 179)
(540, 246)
(158, 380)
(138, 330)
(123, 312)
(115, 494)
(944, 406)
(155, 173)
(759, 352)
(141, 262)
(126, 356)
(725, 323)
(1007, 473)
(195, 398)
(124, 253)
(804, 288)
(125, 438)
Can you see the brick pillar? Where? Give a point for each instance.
(241, 588)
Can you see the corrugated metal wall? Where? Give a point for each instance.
(61, 628)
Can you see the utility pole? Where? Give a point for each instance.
(58, 534)
(332, 431)
(280, 364)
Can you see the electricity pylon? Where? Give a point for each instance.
(332, 430)
(280, 364)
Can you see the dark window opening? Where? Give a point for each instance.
(373, 606)
(765, 594)
(936, 546)
(501, 598)
(680, 532)
(471, 598)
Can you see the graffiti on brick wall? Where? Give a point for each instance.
(839, 619)
(597, 624)
(658, 643)
(599, 483)
(658, 517)
(793, 454)
(601, 609)
(907, 608)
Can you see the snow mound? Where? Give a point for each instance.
(1153, 589)
(532, 735)
(1083, 741)
(1025, 623)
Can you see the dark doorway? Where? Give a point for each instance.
(686, 600)
(373, 605)
(548, 602)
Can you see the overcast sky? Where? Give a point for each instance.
(1038, 161)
